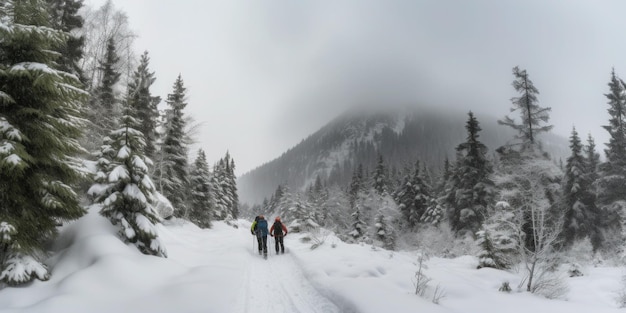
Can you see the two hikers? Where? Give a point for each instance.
(278, 231)
(259, 228)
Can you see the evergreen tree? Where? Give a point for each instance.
(531, 114)
(40, 123)
(579, 201)
(219, 191)
(171, 173)
(123, 190)
(232, 187)
(414, 198)
(201, 199)
(145, 105)
(358, 226)
(471, 188)
(592, 159)
(384, 232)
(64, 16)
(497, 240)
(356, 185)
(104, 106)
(611, 196)
(225, 189)
(379, 180)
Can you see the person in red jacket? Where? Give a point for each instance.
(278, 231)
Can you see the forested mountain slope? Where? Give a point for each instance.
(401, 136)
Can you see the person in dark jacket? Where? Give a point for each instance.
(278, 231)
(259, 228)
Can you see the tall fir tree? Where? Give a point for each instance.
(144, 104)
(171, 171)
(356, 185)
(123, 190)
(471, 188)
(414, 198)
(379, 179)
(201, 198)
(65, 17)
(104, 105)
(40, 124)
(526, 178)
(611, 196)
(532, 115)
(232, 187)
(225, 189)
(580, 212)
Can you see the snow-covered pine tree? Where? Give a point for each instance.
(379, 179)
(123, 190)
(219, 191)
(232, 187)
(580, 212)
(65, 17)
(384, 232)
(356, 185)
(531, 114)
(171, 171)
(144, 104)
(414, 198)
(358, 225)
(611, 195)
(225, 189)
(592, 161)
(40, 123)
(104, 105)
(201, 199)
(471, 189)
(498, 239)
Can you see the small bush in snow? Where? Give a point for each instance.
(505, 287)
(421, 280)
(574, 270)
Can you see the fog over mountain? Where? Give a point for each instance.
(401, 134)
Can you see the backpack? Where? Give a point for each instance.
(278, 229)
(261, 228)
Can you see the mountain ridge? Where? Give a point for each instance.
(400, 135)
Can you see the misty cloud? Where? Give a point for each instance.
(264, 75)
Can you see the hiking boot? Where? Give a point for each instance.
(259, 252)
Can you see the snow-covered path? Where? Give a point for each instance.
(253, 284)
(279, 285)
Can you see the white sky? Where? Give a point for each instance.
(218, 270)
(263, 75)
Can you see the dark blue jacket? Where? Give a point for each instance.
(261, 228)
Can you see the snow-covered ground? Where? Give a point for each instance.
(219, 270)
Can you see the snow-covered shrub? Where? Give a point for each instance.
(574, 270)
(505, 287)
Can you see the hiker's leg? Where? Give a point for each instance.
(265, 244)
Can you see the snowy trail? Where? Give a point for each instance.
(278, 285)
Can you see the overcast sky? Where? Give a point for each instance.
(263, 75)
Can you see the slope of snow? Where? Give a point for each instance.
(219, 270)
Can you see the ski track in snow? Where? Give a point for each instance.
(279, 285)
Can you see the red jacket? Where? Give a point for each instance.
(282, 226)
